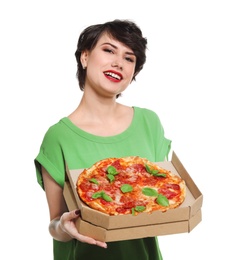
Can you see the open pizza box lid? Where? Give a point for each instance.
(112, 228)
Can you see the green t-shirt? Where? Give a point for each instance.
(64, 143)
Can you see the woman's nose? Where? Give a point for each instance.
(117, 63)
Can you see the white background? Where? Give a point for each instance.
(190, 80)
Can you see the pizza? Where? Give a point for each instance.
(129, 185)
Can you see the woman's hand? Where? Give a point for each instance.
(62, 223)
(67, 225)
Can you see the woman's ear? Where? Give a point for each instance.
(84, 58)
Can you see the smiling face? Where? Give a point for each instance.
(110, 66)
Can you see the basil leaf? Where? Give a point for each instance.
(159, 174)
(149, 192)
(162, 200)
(147, 168)
(154, 172)
(106, 197)
(133, 211)
(96, 195)
(93, 180)
(101, 194)
(140, 208)
(126, 188)
(110, 177)
(112, 170)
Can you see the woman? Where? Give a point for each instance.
(109, 56)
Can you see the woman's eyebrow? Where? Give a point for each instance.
(115, 47)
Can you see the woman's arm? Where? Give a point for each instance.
(62, 223)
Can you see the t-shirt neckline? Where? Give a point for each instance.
(127, 132)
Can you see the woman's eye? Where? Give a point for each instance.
(129, 59)
(108, 50)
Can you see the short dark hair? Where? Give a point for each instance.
(125, 31)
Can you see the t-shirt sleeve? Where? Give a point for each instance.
(164, 147)
(161, 143)
(51, 158)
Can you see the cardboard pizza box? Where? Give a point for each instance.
(107, 228)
